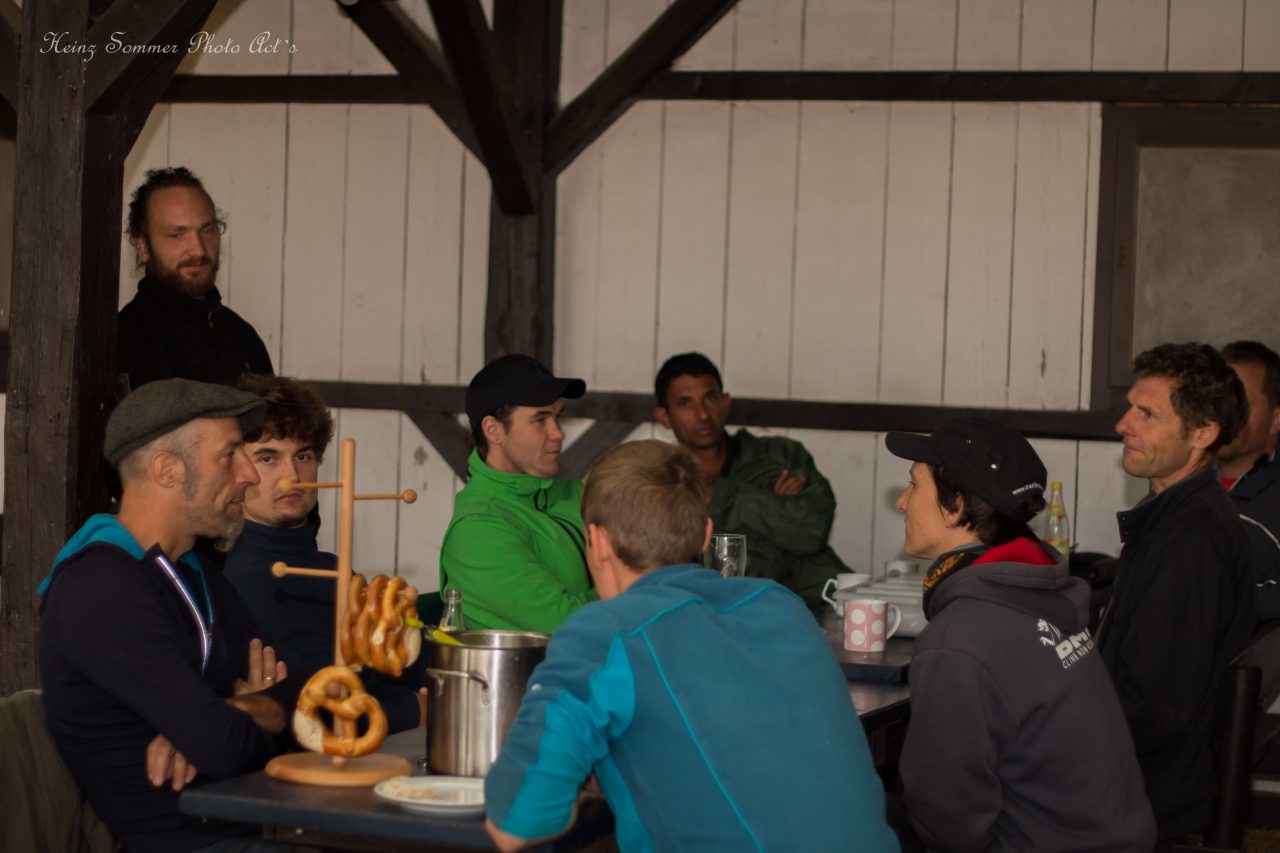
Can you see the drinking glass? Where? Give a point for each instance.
(727, 554)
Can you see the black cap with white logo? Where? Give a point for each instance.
(516, 380)
(994, 462)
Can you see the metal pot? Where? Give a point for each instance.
(476, 690)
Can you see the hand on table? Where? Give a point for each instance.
(788, 483)
(166, 763)
(264, 669)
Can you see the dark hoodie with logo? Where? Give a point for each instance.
(1017, 739)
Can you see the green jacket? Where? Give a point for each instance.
(786, 534)
(516, 550)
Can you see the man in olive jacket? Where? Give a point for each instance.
(767, 488)
(515, 546)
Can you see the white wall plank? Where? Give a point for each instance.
(1103, 490)
(848, 35)
(1059, 458)
(1057, 34)
(433, 259)
(1206, 36)
(421, 525)
(976, 361)
(1048, 258)
(912, 321)
(1130, 35)
(761, 231)
(626, 290)
(691, 274)
(714, 51)
(324, 35)
(314, 241)
(377, 436)
(768, 34)
(891, 477)
(835, 332)
(373, 268)
(582, 49)
(924, 34)
(150, 151)
(988, 34)
(1261, 35)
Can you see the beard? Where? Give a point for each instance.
(172, 276)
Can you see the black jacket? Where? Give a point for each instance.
(1017, 741)
(1257, 495)
(300, 612)
(164, 334)
(1181, 610)
(120, 660)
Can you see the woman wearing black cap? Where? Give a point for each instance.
(1017, 740)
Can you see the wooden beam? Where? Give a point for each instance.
(520, 303)
(599, 437)
(67, 205)
(487, 94)
(1178, 87)
(418, 59)
(291, 88)
(147, 26)
(580, 123)
(10, 38)
(449, 438)
(1092, 425)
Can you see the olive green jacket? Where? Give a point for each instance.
(786, 534)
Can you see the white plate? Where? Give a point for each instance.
(451, 796)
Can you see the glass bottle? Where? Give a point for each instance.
(452, 620)
(1057, 527)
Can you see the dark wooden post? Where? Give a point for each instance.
(76, 123)
(521, 303)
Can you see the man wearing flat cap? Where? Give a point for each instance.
(515, 547)
(1017, 739)
(153, 674)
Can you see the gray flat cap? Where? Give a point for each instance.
(161, 407)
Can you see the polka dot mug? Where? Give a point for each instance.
(869, 623)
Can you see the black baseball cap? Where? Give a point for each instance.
(516, 380)
(994, 462)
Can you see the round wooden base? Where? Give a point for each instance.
(313, 768)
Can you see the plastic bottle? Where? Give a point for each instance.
(452, 620)
(1057, 527)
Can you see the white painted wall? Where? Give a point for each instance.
(896, 252)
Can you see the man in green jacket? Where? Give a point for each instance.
(766, 488)
(515, 545)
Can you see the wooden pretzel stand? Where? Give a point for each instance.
(313, 768)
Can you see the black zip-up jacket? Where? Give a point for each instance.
(1181, 610)
(1257, 495)
(164, 334)
(1017, 742)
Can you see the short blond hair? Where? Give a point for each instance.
(648, 496)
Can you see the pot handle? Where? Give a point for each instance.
(441, 674)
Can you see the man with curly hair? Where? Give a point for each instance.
(177, 325)
(1182, 607)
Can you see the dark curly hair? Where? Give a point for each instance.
(1253, 352)
(158, 179)
(684, 364)
(294, 412)
(990, 525)
(1205, 388)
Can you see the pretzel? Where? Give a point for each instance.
(373, 631)
(390, 644)
(311, 731)
(355, 603)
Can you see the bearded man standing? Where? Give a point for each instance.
(176, 326)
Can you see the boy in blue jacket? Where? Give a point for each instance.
(710, 710)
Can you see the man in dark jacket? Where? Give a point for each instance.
(176, 326)
(154, 676)
(766, 488)
(1017, 741)
(1246, 466)
(281, 526)
(1183, 602)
